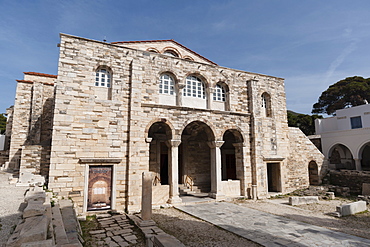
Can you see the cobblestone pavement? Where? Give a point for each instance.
(115, 231)
(268, 229)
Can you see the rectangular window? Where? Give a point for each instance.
(356, 122)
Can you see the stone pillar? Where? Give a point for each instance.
(241, 167)
(174, 171)
(146, 196)
(216, 169)
(358, 164)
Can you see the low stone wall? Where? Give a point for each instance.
(351, 179)
(44, 225)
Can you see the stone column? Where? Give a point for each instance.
(358, 164)
(216, 169)
(146, 196)
(174, 171)
(239, 156)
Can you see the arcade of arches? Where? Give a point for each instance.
(341, 157)
(197, 157)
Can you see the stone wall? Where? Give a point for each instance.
(302, 152)
(86, 126)
(351, 179)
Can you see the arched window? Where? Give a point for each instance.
(266, 104)
(103, 78)
(194, 88)
(219, 94)
(166, 84)
(170, 53)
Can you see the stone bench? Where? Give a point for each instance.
(351, 208)
(299, 200)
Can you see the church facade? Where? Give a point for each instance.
(116, 110)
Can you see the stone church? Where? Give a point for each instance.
(118, 109)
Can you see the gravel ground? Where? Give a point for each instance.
(11, 199)
(194, 232)
(316, 214)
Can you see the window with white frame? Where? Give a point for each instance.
(166, 84)
(103, 78)
(194, 88)
(219, 94)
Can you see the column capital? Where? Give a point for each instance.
(215, 144)
(173, 143)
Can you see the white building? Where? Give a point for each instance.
(345, 138)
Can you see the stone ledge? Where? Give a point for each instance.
(100, 160)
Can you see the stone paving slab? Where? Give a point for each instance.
(268, 229)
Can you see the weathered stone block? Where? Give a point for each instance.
(352, 208)
(366, 189)
(27, 232)
(34, 208)
(299, 200)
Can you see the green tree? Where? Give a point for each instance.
(2, 123)
(352, 91)
(304, 122)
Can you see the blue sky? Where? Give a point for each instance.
(310, 43)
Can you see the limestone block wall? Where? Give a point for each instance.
(20, 124)
(32, 114)
(87, 127)
(302, 152)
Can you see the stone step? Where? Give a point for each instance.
(71, 224)
(59, 230)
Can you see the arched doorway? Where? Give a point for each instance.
(365, 157)
(195, 156)
(159, 152)
(313, 173)
(231, 165)
(340, 157)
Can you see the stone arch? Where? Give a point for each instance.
(160, 135)
(152, 49)
(171, 49)
(341, 157)
(195, 162)
(204, 121)
(232, 155)
(161, 120)
(313, 173)
(364, 155)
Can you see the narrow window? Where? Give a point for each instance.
(266, 104)
(103, 78)
(356, 122)
(166, 84)
(219, 93)
(194, 88)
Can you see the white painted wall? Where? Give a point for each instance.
(337, 130)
